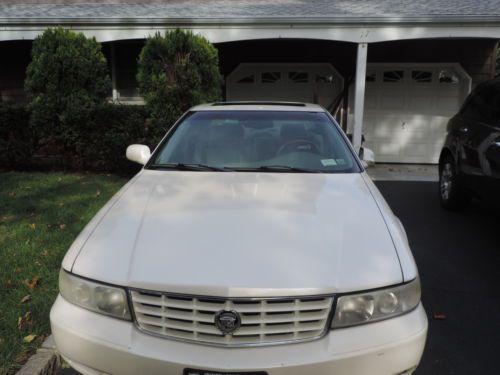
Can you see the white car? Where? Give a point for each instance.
(252, 242)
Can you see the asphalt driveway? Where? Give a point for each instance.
(458, 255)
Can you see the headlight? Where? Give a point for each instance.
(373, 306)
(103, 299)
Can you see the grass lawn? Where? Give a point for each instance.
(40, 216)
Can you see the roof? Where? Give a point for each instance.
(245, 10)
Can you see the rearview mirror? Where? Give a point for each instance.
(138, 153)
(367, 157)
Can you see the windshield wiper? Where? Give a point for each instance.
(187, 167)
(277, 168)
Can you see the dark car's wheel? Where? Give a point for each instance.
(451, 193)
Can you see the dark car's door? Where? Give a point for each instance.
(466, 131)
(493, 155)
(479, 135)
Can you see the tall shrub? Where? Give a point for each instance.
(66, 79)
(176, 71)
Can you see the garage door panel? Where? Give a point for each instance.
(444, 103)
(370, 102)
(387, 129)
(420, 102)
(408, 119)
(416, 123)
(386, 149)
(414, 149)
(394, 102)
(369, 127)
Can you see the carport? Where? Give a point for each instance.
(399, 69)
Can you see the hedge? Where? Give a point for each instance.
(17, 139)
(101, 145)
(113, 127)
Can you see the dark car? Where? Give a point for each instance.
(469, 165)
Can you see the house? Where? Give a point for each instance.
(393, 70)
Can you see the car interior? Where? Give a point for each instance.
(241, 142)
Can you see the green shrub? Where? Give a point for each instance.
(176, 71)
(108, 130)
(112, 128)
(66, 79)
(17, 139)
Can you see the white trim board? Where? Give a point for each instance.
(227, 32)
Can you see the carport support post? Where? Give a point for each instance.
(113, 72)
(359, 97)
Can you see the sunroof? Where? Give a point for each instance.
(291, 104)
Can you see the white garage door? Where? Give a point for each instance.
(407, 108)
(311, 83)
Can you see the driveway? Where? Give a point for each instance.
(458, 255)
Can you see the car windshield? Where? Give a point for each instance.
(267, 141)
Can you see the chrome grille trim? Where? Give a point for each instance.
(264, 321)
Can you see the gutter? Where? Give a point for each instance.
(473, 20)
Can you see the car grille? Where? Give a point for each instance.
(263, 320)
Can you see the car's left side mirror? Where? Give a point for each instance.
(367, 157)
(138, 153)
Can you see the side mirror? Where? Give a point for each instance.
(368, 157)
(138, 153)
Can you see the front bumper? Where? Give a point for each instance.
(95, 344)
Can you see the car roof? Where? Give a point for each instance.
(259, 106)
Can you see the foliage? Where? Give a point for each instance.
(176, 71)
(17, 139)
(106, 133)
(66, 79)
(40, 216)
(111, 129)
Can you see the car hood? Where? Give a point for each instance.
(240, 234)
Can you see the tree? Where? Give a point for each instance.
(176, 71)
(66, 79)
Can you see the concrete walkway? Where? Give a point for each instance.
(404, 172)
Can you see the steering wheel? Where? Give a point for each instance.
(296, 144)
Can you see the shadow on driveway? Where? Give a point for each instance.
(458, 255)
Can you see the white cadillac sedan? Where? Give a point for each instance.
(252, 242)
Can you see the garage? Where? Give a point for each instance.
(311, 83)
(407, 107)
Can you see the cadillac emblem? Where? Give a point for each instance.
(227, 321)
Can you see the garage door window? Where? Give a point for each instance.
(421, 76)
(271, 77)
(298, 77)
(371, 77)
(247, 79)
(449, 76)
(325, 79)
(394, 76)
